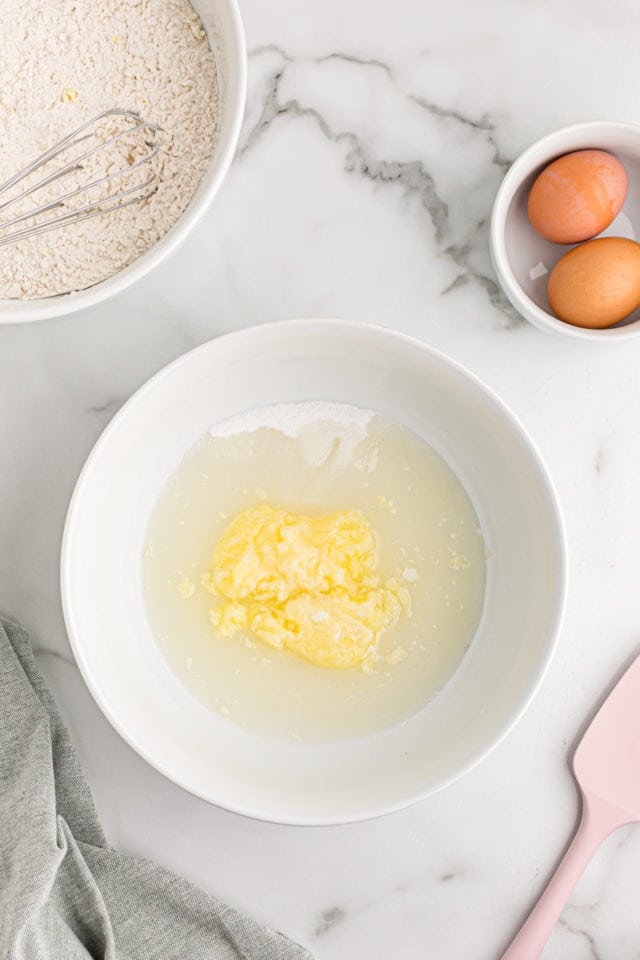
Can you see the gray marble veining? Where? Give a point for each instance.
(374, 142)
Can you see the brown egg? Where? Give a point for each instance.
(596, 284)
(577, 196)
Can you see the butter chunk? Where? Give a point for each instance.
(304, 584)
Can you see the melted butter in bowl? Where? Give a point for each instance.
(313, 571)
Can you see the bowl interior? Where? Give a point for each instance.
(296, 361)
(530, 257)
(224, 29)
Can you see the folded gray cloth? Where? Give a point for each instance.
(64, 893)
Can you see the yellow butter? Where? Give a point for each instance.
(305, 584)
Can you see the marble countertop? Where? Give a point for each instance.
(375, 138)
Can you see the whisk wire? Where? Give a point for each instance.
(95, 208)
(65, 143)
(75, 164)
(60, 201)
(86, 214)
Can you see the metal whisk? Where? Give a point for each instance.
(34, 221)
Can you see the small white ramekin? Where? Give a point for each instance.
(522, 259)
(222, 21)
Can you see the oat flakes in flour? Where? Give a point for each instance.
(71, 59)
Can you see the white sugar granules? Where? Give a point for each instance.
(64, 61)
(327, 432)
(292, 418)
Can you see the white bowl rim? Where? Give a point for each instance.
(556, 617)
(512, 179)
(45, 308)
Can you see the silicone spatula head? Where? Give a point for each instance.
(607, 761)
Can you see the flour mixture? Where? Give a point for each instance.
(63, 62)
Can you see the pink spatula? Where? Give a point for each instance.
(607, 768)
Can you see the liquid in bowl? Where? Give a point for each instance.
(315, 458)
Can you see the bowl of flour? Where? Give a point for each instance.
(180, 64)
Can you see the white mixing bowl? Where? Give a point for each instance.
(221, 19)
(294, 361)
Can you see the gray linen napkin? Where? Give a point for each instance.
(64, 893)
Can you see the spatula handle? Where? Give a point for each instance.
(598, 820)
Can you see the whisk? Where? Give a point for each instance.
(24, 223)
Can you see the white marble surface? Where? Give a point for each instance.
(375, 138)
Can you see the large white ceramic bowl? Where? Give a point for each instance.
(222, 21)
(523, 259)
(294, 361)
